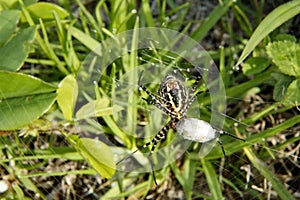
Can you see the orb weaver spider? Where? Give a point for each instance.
(174, 99)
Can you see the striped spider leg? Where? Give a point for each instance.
(174, 99)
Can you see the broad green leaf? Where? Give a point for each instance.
(44, 11)
(284, 36)
(97, 153)
(273, 20)
(285, 54)
(14, 4)
(255, 65)
(7, 4)
(292, 95)
(67, 95)
(14, 52)
(20, 111)
(281, 85)
(23, 99)
(18, 85)
(8, 24)
(97, 108)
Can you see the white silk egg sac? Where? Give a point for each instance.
(196, 130)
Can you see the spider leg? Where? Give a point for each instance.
(198, 78)
(192, 95)
(152, 167)
(196, 83)
(158, 137)
(220, 132)
(126, 157)
(155, 100)
(158, 101)
(142, 87)
(159, 106)
(149, 101)
(221, 144)
(229, 134)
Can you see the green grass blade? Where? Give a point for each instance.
(276, 18)
(132, 109)
(29, 184)
(117, 131)
(207, 24)
(235, 146)
(148, 14)
(211, 20)
(8, 24)
(90, 18)
(212, 179)
(269, 175)
(85, 39)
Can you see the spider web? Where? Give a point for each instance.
(252, 180)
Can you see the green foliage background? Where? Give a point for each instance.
(43, 45)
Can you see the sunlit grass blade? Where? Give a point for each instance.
(276, 18)
(85, 39)
(67, 95)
